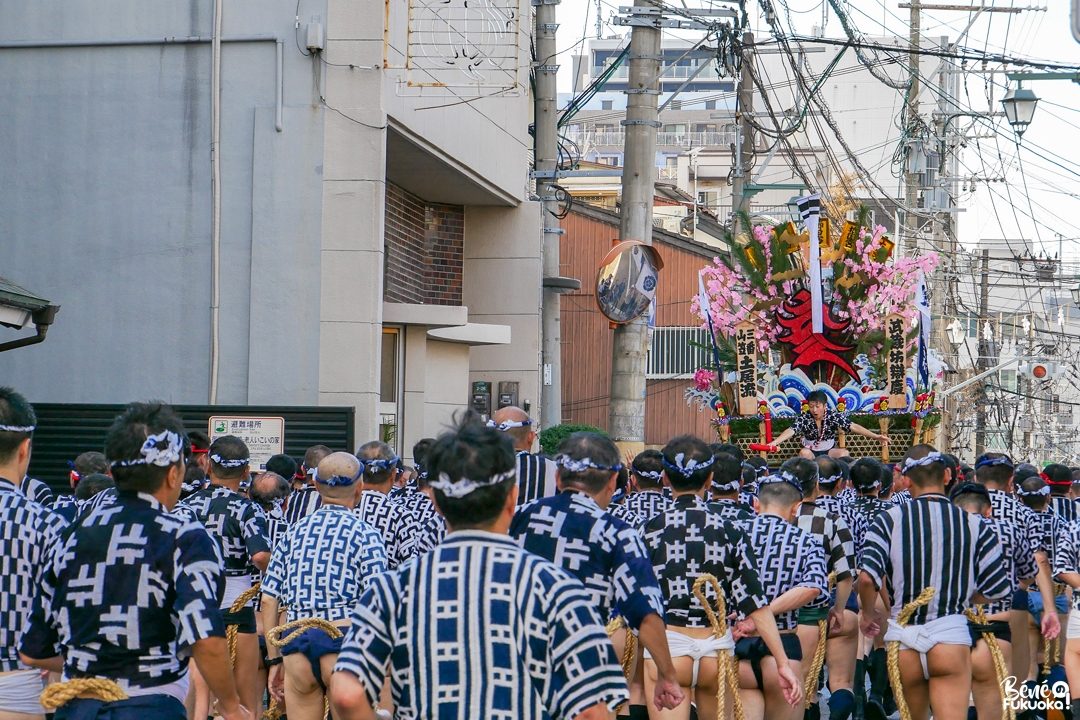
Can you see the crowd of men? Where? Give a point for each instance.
(490, 582)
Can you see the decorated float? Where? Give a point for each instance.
(842, 315)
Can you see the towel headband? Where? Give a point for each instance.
(465, 486)
(686, 467)
(161, 450)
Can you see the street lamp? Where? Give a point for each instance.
(956, 332)
(793, 209)
(1019, 104)
(1076, 294)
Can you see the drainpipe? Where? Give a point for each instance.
(43, 318)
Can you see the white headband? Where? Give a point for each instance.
(931, 458)
(17, 428)
(154, 455)
(685, 467)
(239, 462)
(1044, 490)
(509, 424)
(464, 486)
(650, 474)
(576, 466)
(783, 476)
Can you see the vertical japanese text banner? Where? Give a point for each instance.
(896, 372)
(746, 359)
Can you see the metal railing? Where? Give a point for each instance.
(672, 357)
(663, 139)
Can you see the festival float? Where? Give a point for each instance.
(842, 315)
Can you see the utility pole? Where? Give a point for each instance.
(911, 180)
(744, 148)
(546, 163)
(983, 362)
(626, 424)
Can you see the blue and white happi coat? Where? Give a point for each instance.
(690, 540)
(647, 504)
(480, 628)
(130, 589)
(37, 491)
(321, 565)
(393, 523)
(67, 506)
(29, 533)
(607, 554)
(417, 504)
(302, 502)
(236, 522)
(787, 557)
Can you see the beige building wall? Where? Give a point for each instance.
(445, 151)
(502, 286)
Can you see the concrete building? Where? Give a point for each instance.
(377, 246)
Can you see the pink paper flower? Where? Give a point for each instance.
(703, 379)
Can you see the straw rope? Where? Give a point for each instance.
(1000, 669)
(1052, 648)
(618, 623)
(893, 653)
(296, 628)
(819, 653)
(291, 631)
(231, 630)
(59, 694)
(727, 667)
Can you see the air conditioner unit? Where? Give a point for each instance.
(1026, 424)
(672, 224)
(1065, 419)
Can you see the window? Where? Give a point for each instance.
(672, 354)
(389, 408)
(710, 104)
(605, 128)
(605, 104)
(388, 381)
(704, 127)
(1007, 379)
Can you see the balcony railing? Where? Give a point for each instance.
(663, 139)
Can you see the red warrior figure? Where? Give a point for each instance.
(795, 316)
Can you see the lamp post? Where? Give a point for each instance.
(1076, 294)
(955, 332)
(1019, 104)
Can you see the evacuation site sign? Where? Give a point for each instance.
(265, 436)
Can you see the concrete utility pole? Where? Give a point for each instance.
(911, 180)
(983, 362)
(744, 149)
(626, 424)
(546, 162)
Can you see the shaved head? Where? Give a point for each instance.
(523, 436)
(338, 464)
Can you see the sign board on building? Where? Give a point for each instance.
(746, 351)
(264, 436)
